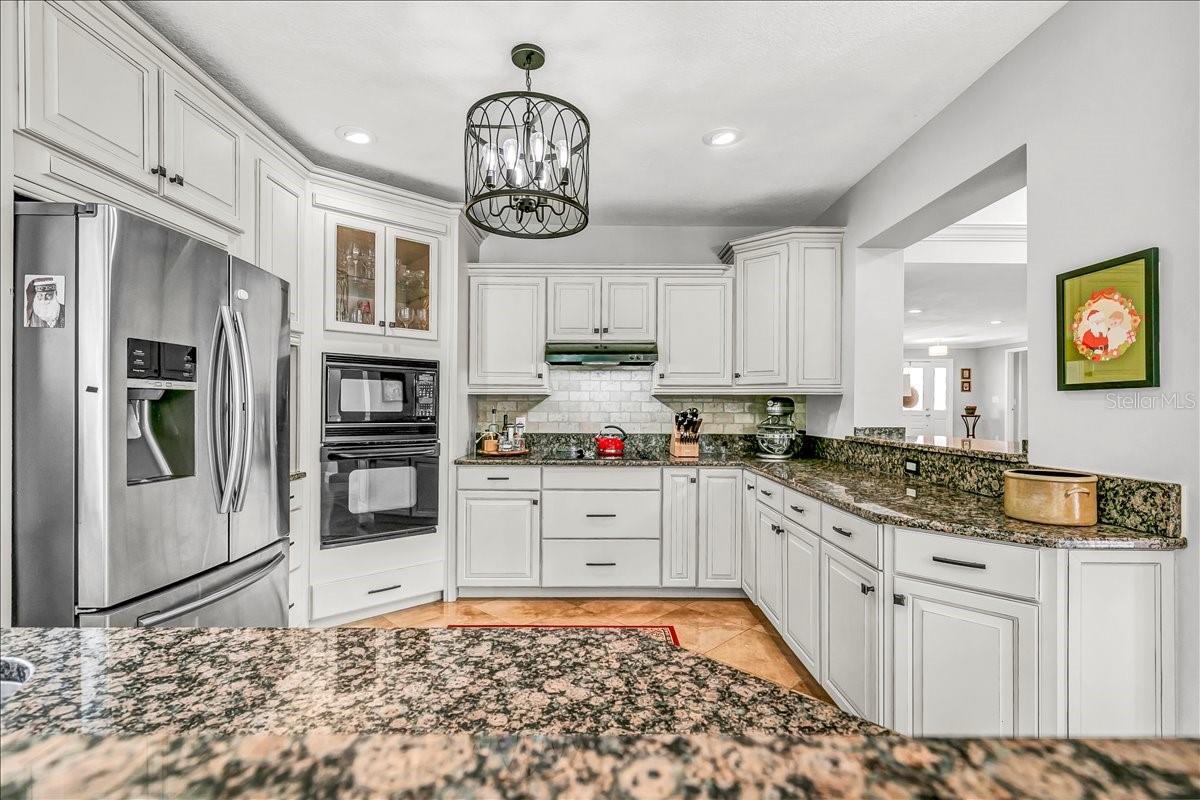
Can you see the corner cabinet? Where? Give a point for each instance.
(762, 310)
(507, 337)
(380, 279)
(279, 230)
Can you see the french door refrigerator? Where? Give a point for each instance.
(150, 426)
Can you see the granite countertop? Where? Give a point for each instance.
(486, 712)
(991, 449)
(886, 499)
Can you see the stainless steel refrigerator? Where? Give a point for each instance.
(150, 426)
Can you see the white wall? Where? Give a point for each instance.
(617, 244)
(988, 386)
(1104, 98)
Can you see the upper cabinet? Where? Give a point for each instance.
(507, 336)
(591, 308)
(278, 229)
(815, 311)
(380, 279)
(695, 332)
(762, 323)
(91, 90)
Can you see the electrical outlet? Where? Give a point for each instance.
(911, 467)
(911, 492)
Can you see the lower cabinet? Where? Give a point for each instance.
(851, 612)
(768, 535)
(802, 595)
(749, 536)
(964, 663)
(499, 538)
(720, 547)
(680, 491)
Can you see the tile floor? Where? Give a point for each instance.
(732, 631)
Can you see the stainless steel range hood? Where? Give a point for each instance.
(594, 354)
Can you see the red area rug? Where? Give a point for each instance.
(663, 633)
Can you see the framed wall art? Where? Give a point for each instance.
(964, 373)
(1108, 324)
(964, 386)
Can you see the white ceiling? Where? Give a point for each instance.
(959, 301)
(824, 90)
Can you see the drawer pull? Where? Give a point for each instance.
(798, 509)
(494, 478)
(384, 589)
(764, 491)
(600, 516)
(865, 588)
(955, 562)
(842, 531)
(600, 563)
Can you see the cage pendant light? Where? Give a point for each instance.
(526, 160)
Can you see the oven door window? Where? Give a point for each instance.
(366, 498)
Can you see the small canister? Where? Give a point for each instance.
(1050, 496)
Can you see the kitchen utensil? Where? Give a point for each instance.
(610, 445)
(1050, 496)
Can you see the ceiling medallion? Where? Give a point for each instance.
(527, 160)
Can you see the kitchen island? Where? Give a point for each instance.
(363, 713)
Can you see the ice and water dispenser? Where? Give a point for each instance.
(160, 416)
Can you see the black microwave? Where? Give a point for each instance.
(378, 399)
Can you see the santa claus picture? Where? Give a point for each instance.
(44, 306)
(1105, 326)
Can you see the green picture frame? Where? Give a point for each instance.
(1107, 324)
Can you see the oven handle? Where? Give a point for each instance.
(382, 452)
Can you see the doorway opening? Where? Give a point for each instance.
(926, 402)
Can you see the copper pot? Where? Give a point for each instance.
(1050, 496)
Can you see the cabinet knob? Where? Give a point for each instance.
(159, 170)
(899, 599)
(595, 330)
(382, 324)
(539, 374)
(605, 330)
(391, 324)
(176, 178)
(865, 589)
(737, 374)
(661, 376)
(691, 480)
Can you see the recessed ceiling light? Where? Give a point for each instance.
(939, 350)
(914, 311)
(996, 322)
(722, 137)
(354, 135)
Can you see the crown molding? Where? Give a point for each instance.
(995, 232)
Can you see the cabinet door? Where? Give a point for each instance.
(354, 293)
(749, 536)
(410, 284)
(279, 226)
(573, 310)
(499, 539)
(202, 152)
(508, 331)
(769, 564)
(762, 327)
(965, 663)
(802, 595)
(720, 528)
(851, 632)
(629, 310)
(679, 527)
(815, 283)
(695, 335)
(90, 90)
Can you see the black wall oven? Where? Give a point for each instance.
(379, 453)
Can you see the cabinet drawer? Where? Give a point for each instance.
(770, 494)
(499, 477)
(601, 478)
(600, 562)
(378, 588)
(601, 515)
(802, 509)
(970, 563)
(855, 535)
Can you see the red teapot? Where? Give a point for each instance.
(610, 445)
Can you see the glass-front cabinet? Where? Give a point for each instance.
(380, 279)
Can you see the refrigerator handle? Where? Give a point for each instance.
(236, 402)
(159, 617)
(247, 409)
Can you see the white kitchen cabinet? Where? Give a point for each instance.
(815, 312)
(762, 324)
(1120, 649)
(802, 595)
(499, 538)
(278, 229)
(680, 493)
(851, 632)
(573, 309)
(629, 310)
(695, 332)
(769, 564)
(91, 90)
(507, 332)
(202, 154)
(749, 536)
(720, 541)
(964, 663)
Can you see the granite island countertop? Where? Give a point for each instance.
(888, 500)
(369, 712)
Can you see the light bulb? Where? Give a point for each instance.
(537, 146)
(562, 154)
(517, 174)
(545, 171)
(490, 163)
(509, 148)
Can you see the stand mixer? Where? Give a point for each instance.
(776, 434)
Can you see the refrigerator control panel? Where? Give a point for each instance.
(150, 359)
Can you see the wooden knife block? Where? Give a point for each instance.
(685, 445)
